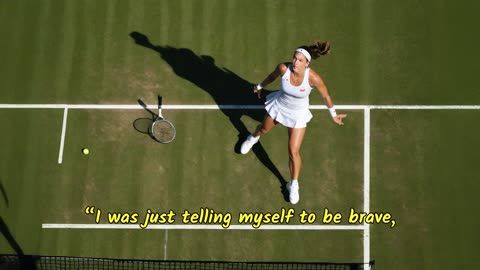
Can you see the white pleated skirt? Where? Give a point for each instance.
(292, 118)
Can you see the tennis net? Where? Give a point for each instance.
(28, 262)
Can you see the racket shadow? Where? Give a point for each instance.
(142, 125)
(225, 88)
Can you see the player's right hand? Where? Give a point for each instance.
(256, 91)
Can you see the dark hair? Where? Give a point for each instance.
(317, 49)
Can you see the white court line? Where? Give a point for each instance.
(233, 107)
(366, 184)
(165, 245)
(62, 139)
(425, 107)
(201, 227)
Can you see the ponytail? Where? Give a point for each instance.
(318, 49)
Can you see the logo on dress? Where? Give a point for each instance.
(302, 90)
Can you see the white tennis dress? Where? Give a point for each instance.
(289, 105)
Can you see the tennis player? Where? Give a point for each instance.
(289, 106)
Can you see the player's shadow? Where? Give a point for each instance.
(224, 86)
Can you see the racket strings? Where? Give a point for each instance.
(163, 131)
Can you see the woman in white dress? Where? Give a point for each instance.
(289, 106)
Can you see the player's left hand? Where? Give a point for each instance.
(338, 119)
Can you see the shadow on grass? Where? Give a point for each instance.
(4, 194)
(225, 88)
(26, 262)
(142, 125)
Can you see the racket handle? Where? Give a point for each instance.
(159, 101)
(160, 106)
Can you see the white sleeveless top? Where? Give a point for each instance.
(289, 105)
(294, 97)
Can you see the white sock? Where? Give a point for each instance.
(294, 182)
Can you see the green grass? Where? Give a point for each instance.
(207, 245)
(127, 171)
(424, 171)
(200, 168)
(30, 140)
(383, 52)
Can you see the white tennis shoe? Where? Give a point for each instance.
(293, 193)
(248, 144)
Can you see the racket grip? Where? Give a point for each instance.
(159, 101)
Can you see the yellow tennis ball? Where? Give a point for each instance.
(85, 151)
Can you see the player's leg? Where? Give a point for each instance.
(295, 139)
(263, 128)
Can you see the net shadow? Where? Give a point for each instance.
(4, 193)
(22, 261)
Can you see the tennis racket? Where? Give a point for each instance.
(162, 130)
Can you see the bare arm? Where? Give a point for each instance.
(279, 70)
(317, 82)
